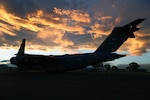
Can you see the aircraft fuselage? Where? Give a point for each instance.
(62, 63)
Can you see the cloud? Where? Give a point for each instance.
(13, 22)
(75, 15)
(135, 46)
(78, 24)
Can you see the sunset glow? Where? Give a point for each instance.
(68, 28)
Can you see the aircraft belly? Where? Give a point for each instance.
(79, 61)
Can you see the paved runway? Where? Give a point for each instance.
(77, 85)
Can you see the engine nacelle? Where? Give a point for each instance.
(13, 60)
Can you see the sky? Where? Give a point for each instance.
(53, 27)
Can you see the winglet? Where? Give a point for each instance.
(22, 48)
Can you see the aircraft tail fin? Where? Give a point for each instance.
(118, 36)
(21, 49)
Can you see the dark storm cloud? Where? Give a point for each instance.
(72, 23)
(19, 7)
(123, 8)
(23, 7)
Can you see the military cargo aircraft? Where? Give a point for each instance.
(60, 63)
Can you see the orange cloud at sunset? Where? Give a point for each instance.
(3, 29)
(77, 15)
(49, 20)
(56, 36)
(15, 22)
(98, 31)
(71, 26)
(134, 46)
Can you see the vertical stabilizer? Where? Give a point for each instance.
(22, 48)
(118, 36)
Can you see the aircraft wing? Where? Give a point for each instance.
(118, 36)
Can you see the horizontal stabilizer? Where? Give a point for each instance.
(131, 27)
(134, 23)
(118, 36)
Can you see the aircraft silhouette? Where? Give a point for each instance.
(61, 63)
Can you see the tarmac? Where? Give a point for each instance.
(75, 85)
